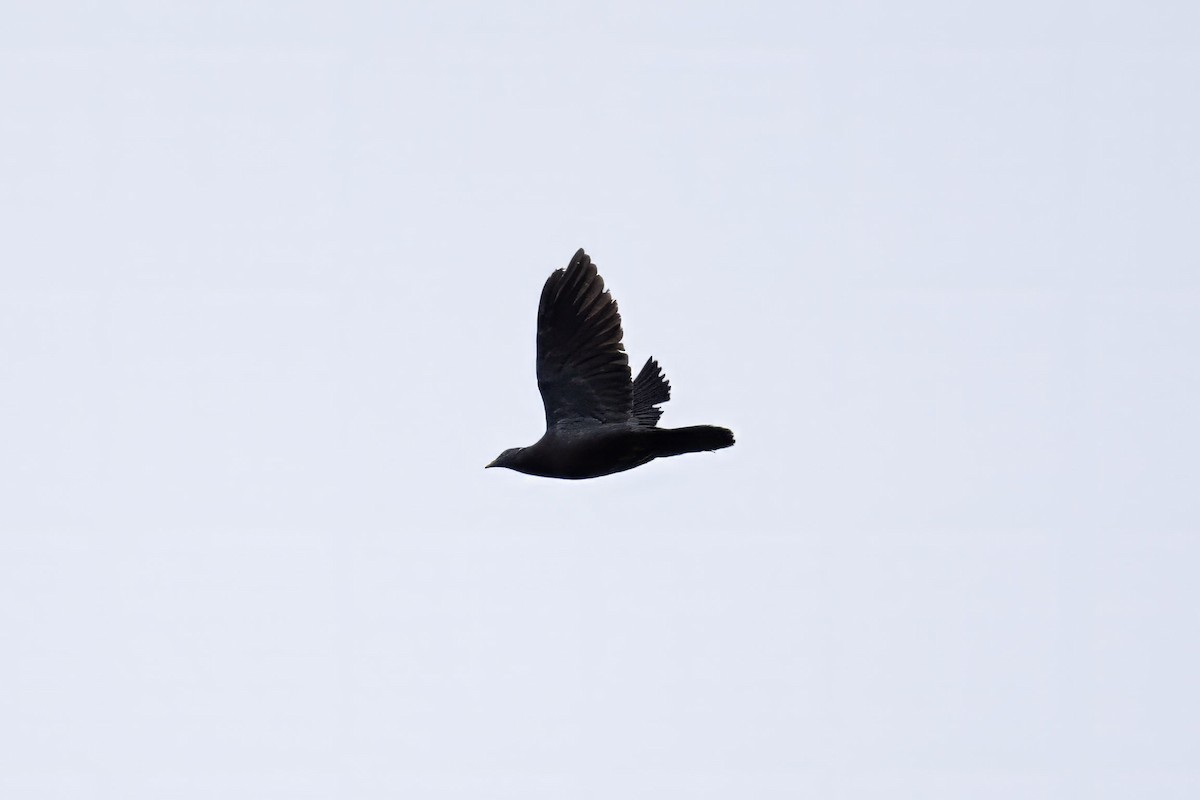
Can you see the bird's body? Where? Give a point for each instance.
(605, 449)
(583, 453)
(598, 421)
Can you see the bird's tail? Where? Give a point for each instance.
(676, 441)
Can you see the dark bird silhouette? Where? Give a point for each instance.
(598, 421)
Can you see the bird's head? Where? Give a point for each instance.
(507, 459)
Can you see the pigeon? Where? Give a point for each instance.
(598, 421)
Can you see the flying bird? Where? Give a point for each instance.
(598, 421)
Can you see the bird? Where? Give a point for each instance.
(598, 420)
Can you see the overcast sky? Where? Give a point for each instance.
(268, 282)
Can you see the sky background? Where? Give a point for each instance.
(268, 282)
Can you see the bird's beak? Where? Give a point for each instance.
(491, 464)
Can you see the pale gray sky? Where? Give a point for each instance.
(268, 275)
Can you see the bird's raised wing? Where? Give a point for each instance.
(582, 369)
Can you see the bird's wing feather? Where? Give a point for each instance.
(650, 389)
(582, 370)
